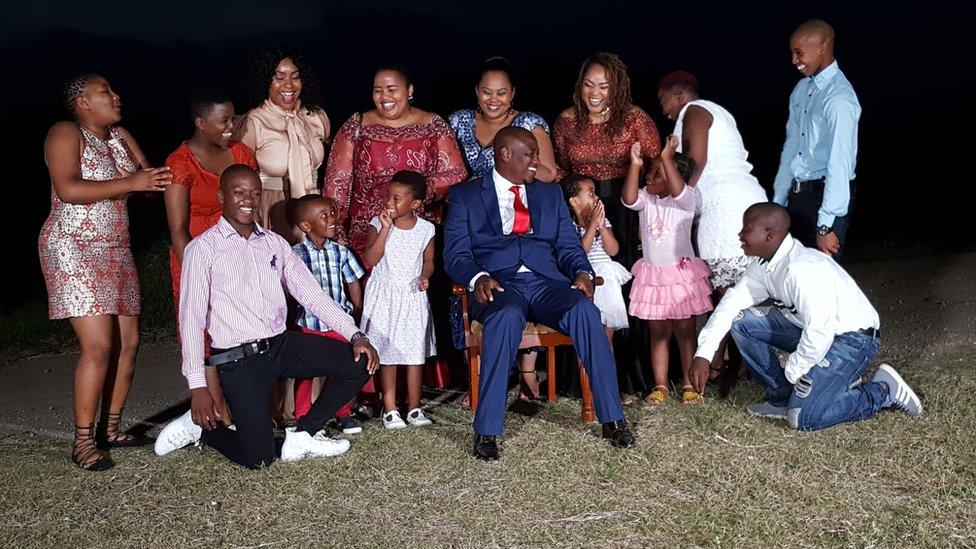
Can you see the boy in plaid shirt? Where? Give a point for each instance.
(338, 272)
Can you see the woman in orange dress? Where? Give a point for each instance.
(86, 259)
(191, 202)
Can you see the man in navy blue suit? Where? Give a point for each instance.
(510, 239)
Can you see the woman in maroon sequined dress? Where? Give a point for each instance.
(85, 256)
(593, 138)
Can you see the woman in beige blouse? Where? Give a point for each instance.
(285, 129)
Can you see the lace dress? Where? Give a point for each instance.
(727, 188)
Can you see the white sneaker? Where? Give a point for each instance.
(392, 420)
(299, 445)
(178, 433)
(902, 395)
(417, 418)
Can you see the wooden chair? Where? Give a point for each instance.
(534, 335)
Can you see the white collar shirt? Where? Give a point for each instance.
(810, 289)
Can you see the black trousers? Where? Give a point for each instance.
(804, 207)
(247, 384)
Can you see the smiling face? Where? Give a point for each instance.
(596, 89)
(391, 94)
(286, 85)
(240, 196)
(809, 53)
(755, 237)
(400, 201)
(319, 221)
(99, 105)
(495, 93)
(218, 124)
(519, 158)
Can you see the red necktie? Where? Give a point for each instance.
(521, 223)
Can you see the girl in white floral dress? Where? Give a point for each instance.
(396, 311)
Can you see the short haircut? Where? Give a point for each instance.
(397, 68)
(819, 28)
(679, 80)
(571, 185)
(413, 181)
(203, 100)
(297, 209)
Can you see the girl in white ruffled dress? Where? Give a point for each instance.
(600, 245)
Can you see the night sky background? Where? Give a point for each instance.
(904, 59)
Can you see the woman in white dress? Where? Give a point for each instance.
(708, 134)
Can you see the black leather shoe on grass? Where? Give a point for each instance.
(486, 447)
(619, 434)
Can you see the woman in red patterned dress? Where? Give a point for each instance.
(593, 138)
(191, 202)
(85, 256)
(372, 146)
(368, 149)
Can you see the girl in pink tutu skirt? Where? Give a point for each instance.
(670, 284)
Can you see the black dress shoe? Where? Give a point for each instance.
(486, 447)
(619, 435)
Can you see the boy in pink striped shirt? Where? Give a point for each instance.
(234, 276)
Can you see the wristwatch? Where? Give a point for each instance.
(824, 230)
(588, 274)
(357, 336)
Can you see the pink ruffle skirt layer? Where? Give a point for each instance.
(670, 292)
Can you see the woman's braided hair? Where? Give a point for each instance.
(75, 88)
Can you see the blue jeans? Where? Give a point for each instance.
(824, 396)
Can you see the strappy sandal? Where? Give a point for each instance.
(114, 438)
(626, 399)
(658, 396)
(524, 394)
(84, 451)
(689, 395)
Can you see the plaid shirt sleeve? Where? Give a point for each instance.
(351, 269)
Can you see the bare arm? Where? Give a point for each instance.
(610, 244)
(547, 159)
(629, 193)
(177, 199)
(62, 153)
(130, 142)
(428, 270)
(376, 240)
(672, 177)
(355, 291)
(694, 139)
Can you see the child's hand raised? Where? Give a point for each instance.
(670, 145)
(635, 154)
(385, 220)
(423, 283)
(598, 216)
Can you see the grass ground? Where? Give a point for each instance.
(701, 476)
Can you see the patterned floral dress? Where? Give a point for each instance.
(84, 248)
(396, 314)
(481, 160)
(364, 158)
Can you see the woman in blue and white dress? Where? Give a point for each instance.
(475, 130)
